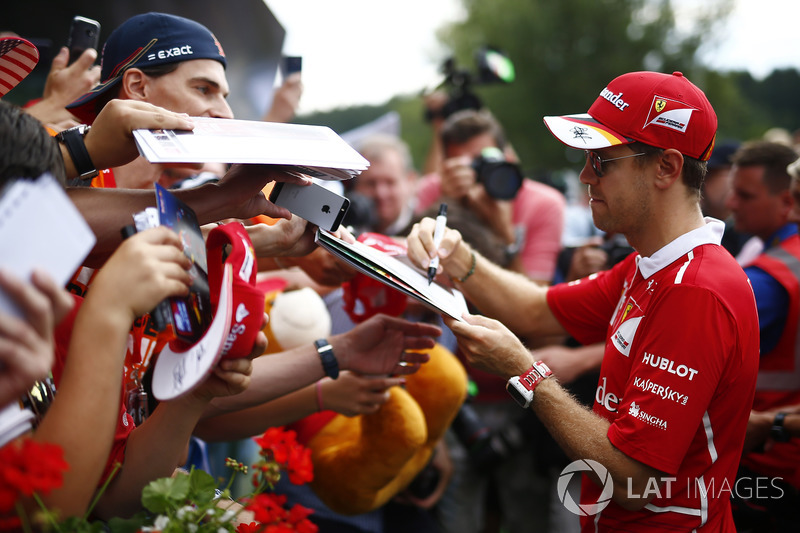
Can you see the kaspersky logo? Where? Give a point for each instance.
(600, 472)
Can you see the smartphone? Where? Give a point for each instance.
(188, 317)
(314, 203)
(292, 64)
(83, 33)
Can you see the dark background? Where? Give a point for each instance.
(250, 35)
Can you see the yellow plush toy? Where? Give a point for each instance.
(361, 462)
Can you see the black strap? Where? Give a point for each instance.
(73, 140)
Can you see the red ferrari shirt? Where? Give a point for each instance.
(677, 379)
(63, 334)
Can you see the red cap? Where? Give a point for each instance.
(238, 316)
(364, 296)
(248, 300)
(661, 110)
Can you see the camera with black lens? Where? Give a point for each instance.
(493, 66)
(486, 448)
(501, 179)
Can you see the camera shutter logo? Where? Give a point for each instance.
(585, 465)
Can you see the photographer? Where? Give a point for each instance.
(526, 215)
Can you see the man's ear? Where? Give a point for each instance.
(670, 165)
(134, 85)
(786, 202)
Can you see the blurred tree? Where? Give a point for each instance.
(565, 52)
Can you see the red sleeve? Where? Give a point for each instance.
(585, 307)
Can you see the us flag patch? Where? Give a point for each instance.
(17, 59)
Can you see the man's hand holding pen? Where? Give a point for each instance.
(438, 234)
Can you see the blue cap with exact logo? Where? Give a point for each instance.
(144, 41)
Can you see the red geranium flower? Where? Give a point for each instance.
(280, 451)
(298, 517)
(268, 508)
(276, 443)
(300, 467)
(252, 527)
(27, 467)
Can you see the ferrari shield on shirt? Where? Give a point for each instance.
(677, 379)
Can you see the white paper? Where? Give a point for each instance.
(41, 228)
(396, 274)
(14, 421)
(314, 150)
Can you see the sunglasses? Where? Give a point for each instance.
(597, 162)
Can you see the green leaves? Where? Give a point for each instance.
(170, 494)
(164, 494)
(188, 501)
(202, 487)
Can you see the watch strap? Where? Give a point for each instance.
(778, 431)
(327, 357)
(521, 387)
(535, 375)
(72, 139)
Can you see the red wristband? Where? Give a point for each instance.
(535, 374)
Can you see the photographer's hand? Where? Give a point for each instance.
(587, 259)
(457, 176)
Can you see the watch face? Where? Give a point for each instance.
(518, 396)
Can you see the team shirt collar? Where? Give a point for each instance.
(709, 233)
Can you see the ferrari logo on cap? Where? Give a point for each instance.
(669, 113)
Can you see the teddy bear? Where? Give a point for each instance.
(362, 462)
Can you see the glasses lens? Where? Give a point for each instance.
(596, 162)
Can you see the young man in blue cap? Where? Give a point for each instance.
(155, 44)
(660, 448)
